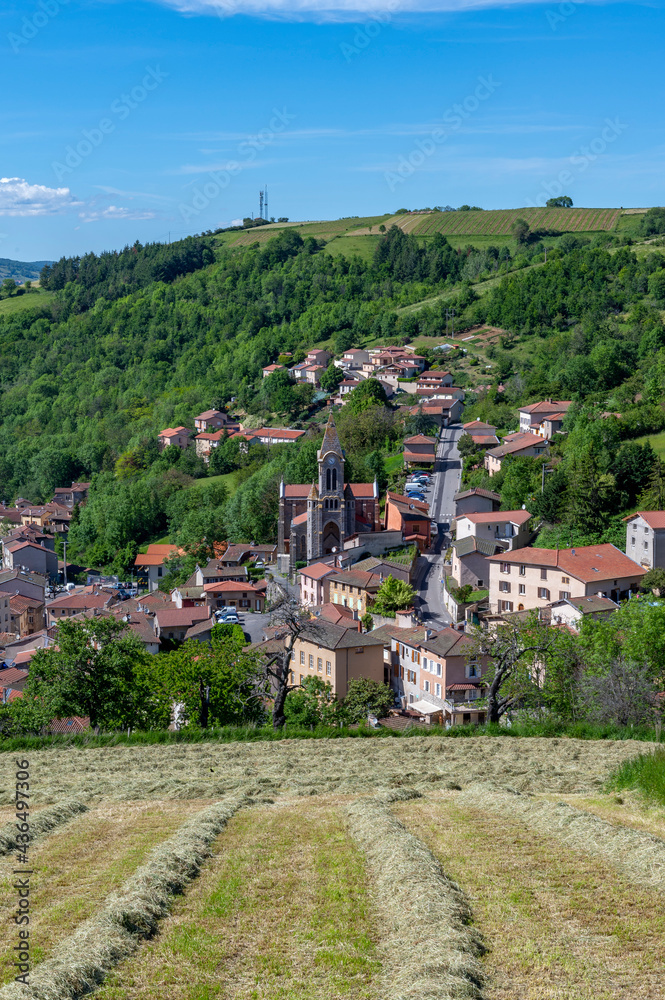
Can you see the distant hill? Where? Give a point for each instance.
(21, 270)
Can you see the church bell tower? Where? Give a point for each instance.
(326, 515)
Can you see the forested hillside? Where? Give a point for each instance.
(146, 338)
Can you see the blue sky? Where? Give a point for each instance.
(125, 120)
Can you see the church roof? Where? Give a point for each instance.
(330, 440)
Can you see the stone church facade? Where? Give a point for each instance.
(316, 519)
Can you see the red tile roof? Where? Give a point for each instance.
(518, 442)
(514, 516)
(588, 563)
(228, 586)
(317, 571)
(654, 518)
(13, 676)
(80, 601)
(170, 617)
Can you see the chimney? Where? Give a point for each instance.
(572, 552)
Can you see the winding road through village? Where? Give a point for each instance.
(446, 483)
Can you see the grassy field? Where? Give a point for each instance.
(345, 870)
(657, 442)
(29, 300)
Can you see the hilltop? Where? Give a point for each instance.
(21, 270)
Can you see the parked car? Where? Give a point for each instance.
(228, 620)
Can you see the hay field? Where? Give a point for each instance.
(426, 868)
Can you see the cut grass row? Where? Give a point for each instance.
(560, 924)
(78, 865)
(281, 912)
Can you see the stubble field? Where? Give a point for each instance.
(398, 869)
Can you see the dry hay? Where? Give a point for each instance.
(431, 951)
(310, 767)
(41, 823)
(83, 960)
(639, 855)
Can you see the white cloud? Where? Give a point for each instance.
(331, 10)
(20, 198)
(114, 212)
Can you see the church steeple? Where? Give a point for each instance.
(331, 467)
(330, 441)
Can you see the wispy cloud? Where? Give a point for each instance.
(20, 198)
(114, 212)
(130, 195)
(330, 10)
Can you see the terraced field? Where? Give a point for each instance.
(395, 869)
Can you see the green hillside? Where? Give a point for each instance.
(129, 343)
(21, 270)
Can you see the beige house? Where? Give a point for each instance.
(533, 578)
(469, 561)
(645, 538)
(150, 565)
(419, 450)
(178, 436)
(518, 445)
(337, 655)
(214, 420)
(533, 416)
(352, 588)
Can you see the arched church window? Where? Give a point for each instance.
(334, 479)
(327, 479)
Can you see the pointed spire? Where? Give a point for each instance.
(330, 441)
(314, 492)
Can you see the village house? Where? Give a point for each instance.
(383, 566)
(483, 435)
(32, 557)
(73, 604)
(435, 379)
(337, 655)
(227, 593)
(10, 514)
(476, 501)
(271, 369)
(532, 577)
(13, 679)
(645, 538)
(177, 436)
(441, 412)
(522, 445)
(206, 441)
(352, 588)
(214, 572)
(150, 565)
(69, 496)
(411, 517)
(242, 552)
(513, 527)
(354, 358)
(173, 623)
(5, 612)
(469, 561)
(312, 584)
(317, 356)
(297, 372)
(533, 416)
(28, 584)
(419, 450)
(313, 374)
(273, 435)
(572, 610)
(214, 420)
(27, 614)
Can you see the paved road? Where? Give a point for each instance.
(447, 475)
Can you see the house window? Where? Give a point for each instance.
(311, 661)
(646, 545)
(411, 676)
(522, 588)
(522, 570)
(480, 583)
(543, 574)
(328, 668)
(504, 587)
(564, 595)
(438, 690)
(543, 594)
(292, 678)
(438, 670)
(159, 571)
(360, 650)
(505, 567)
(302, 657)
(505, 605)
(319, 665)
(427, 686)
(632, 540)
(565, 579)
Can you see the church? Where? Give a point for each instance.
(315, 520)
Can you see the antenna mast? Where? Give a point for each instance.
(265, 202)
(260, 204)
